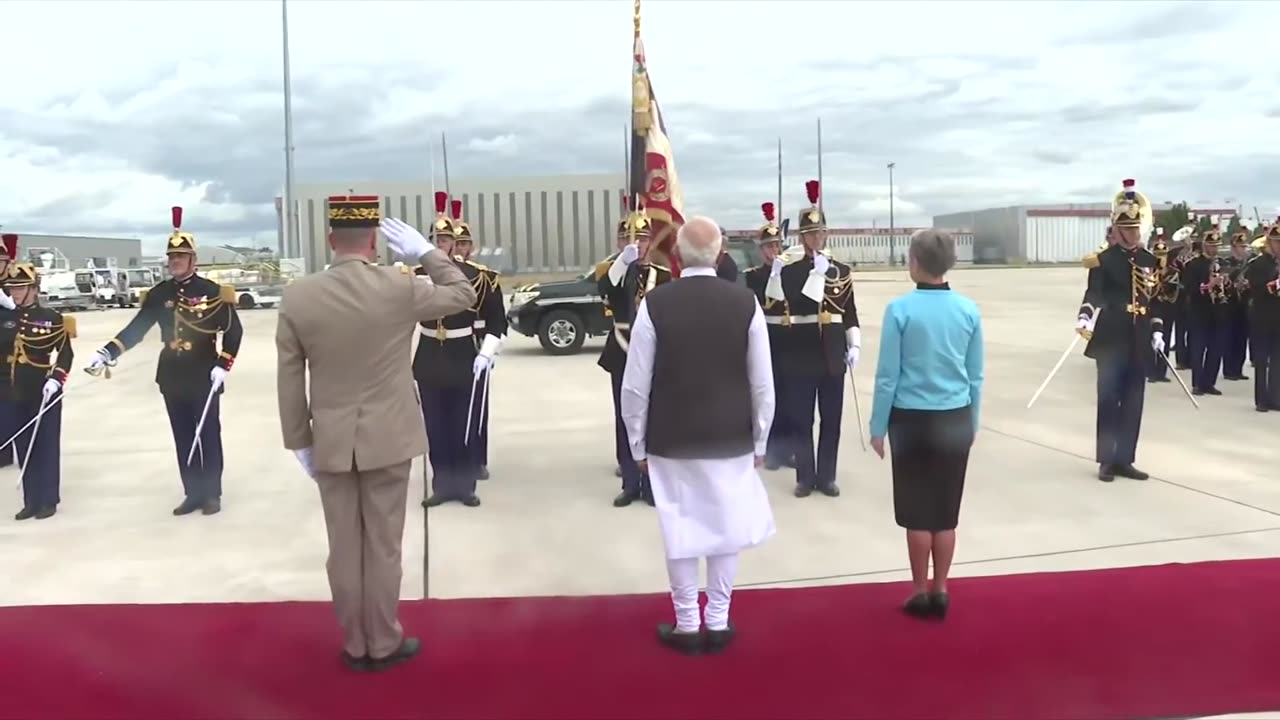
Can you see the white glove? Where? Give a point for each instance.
(99, 359)
(304, 459)
(51, 388)
(403, 240)
(6, 301)
(217, 376)
(1084, 325)
(1157, 341)
(853, 337)
(618, 269)
(776, 269)
(481, 364)
(821, 264)
(489, 348)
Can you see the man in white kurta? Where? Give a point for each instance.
(698, 401)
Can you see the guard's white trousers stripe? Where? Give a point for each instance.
(683, 573)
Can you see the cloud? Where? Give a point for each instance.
(980, 105)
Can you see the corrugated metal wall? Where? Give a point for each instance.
(997, 233)
(1063, 239)
(874, 248)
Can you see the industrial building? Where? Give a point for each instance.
(78, 250)
(1044, 233)
(519, 224)
(873, 246)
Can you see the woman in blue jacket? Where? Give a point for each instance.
(928, 391)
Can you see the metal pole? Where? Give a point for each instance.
(444, 158)
(892, 231)
(780, 215)
(290, 201)
(822, 193)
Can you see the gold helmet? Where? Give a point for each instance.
(1130, 208)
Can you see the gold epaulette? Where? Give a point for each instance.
(226, 293)
(602, 268)
(664, 269)
(405, 269)
(69, 325)
(1091, 261)
(477, 266)
(142, 296)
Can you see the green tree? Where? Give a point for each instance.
(1172, 219)
(1233, 226)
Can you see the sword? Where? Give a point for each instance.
(103, 370)
(484, 400)
(1173, 371)
(857, 409)
(471, 404)
(33, 420)
(26, 459)
(200, 427)
(1057, 366)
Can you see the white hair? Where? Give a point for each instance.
(698, 242)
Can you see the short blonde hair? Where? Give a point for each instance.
(934, 251)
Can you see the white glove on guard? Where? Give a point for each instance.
(404, 241)
(1157, 341)
(51, 388)
(7, 302)
(776, 269)
(853, 337)
(99, 359)
(1084, 325)
(217, 376)
(618, 269)
(821, 264)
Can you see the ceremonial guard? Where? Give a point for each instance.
(42, 357)
(1179, 334)
(623, 284)
(191, 311)
(1263, 278)
(1205, 280)
(448, 368)
(1236, 335)
(778, 317)
(1164, 301)
(1122, 331)
(8, 331)
(491, 321)
(824, 338)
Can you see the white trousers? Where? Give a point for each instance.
(683, 574)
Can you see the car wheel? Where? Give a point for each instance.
(562, 332)
(246, 302)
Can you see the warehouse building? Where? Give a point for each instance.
(519, 224)
(1044, 233)
(872, 246)
(79, 250)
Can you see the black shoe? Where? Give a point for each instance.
(356, 664)
(434, 500)
(918, 605)
(685, 643)
(617, 471)
(1131, 472)
(1212, 391)
(187, 507)
(830, 490)
(939, 603)
(408, 648)
(772, 465)
(1262, 408)
(45, 513)
(803, 490)
(25, 514)
(484, 473)
(471, 501)
(1159, 380)
(719, 640)
(211, 507)
(1197, 391)
(1182, 366)
(1106, 473)
(625, 498)
(647, 496)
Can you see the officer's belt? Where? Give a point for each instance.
(803, 319)
(622, 325)
(447, 334)
(479, 325)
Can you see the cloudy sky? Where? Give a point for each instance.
(113, 111)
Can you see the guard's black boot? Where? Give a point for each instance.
(45, 513)
(434, 500)
(625, 498)
(1106, 473)
(212, 506)
(471, 501)
(685, 643)
(803, 490)
(1131, 472)
(187, 507)
(719, 640)
(617, 471)
(25, 514)
(484, 472)
(830, 490)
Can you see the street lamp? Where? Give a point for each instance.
(892, 257)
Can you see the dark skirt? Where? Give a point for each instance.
(930, 454)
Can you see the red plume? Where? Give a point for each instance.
(457, 209)
(11, 245)
(811, 188)
(442, 201)
(626, 202)
(177, 218)
(767, 208)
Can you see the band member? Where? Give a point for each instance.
(621, 241)
(1116, 318)
(1236, 336)
(1178, 333)
(42, 357)
(1164, 299)
(1263, 278)
(191, 311)
(491, 321)
(623, 285)
(8, 332)
(824, 338)
(1204, 278)
(778, 317)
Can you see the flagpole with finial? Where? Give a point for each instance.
(780, 213)
(823, 188)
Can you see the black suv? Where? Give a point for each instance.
(563, 314)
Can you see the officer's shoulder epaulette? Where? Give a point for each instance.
(602, 267)
(476, 265)
(1090, 261)
(69, 325)
(226, 293)
(405, 269)
(663, 268)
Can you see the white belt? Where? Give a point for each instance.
(622, 326)
(802, 319)
(447, 334)
(479, 325)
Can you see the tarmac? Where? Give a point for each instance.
(547, 526)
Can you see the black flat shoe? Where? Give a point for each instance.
(625, 498)
(719, 640)
(1107, 473)
(939, 602)
(803, 491)
(1131, 472)
(187, 507)
(484, 473)
(353, 663)
(617, 471)
(211, 507)
(408, 648)
(918, 606)
(434, 500)
(471, 501)
(25, 514)
(684, 643)
(1261, 408)
(830, 490)
(46, 512)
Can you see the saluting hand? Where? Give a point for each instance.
(776, 269)
(629, 254)
(6, 301)
(404, 241)
(821, 264)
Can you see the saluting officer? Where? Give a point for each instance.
(603, 287)
(445, 367)
(1236, 336)
(42, 357)
(1263, 277)
(623, 285)
(1116, 318)
(191, 311)
(8, 332)
(1164, 299)
(1205, 280)
(491, 321)
(777, 316)
(824, 339)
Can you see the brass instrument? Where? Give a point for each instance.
(1217, 283)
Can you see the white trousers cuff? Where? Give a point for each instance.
(683, 574)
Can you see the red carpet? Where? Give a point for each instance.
(1165, 641)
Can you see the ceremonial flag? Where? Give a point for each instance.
(653, 180)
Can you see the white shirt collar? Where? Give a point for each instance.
(697, 272)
